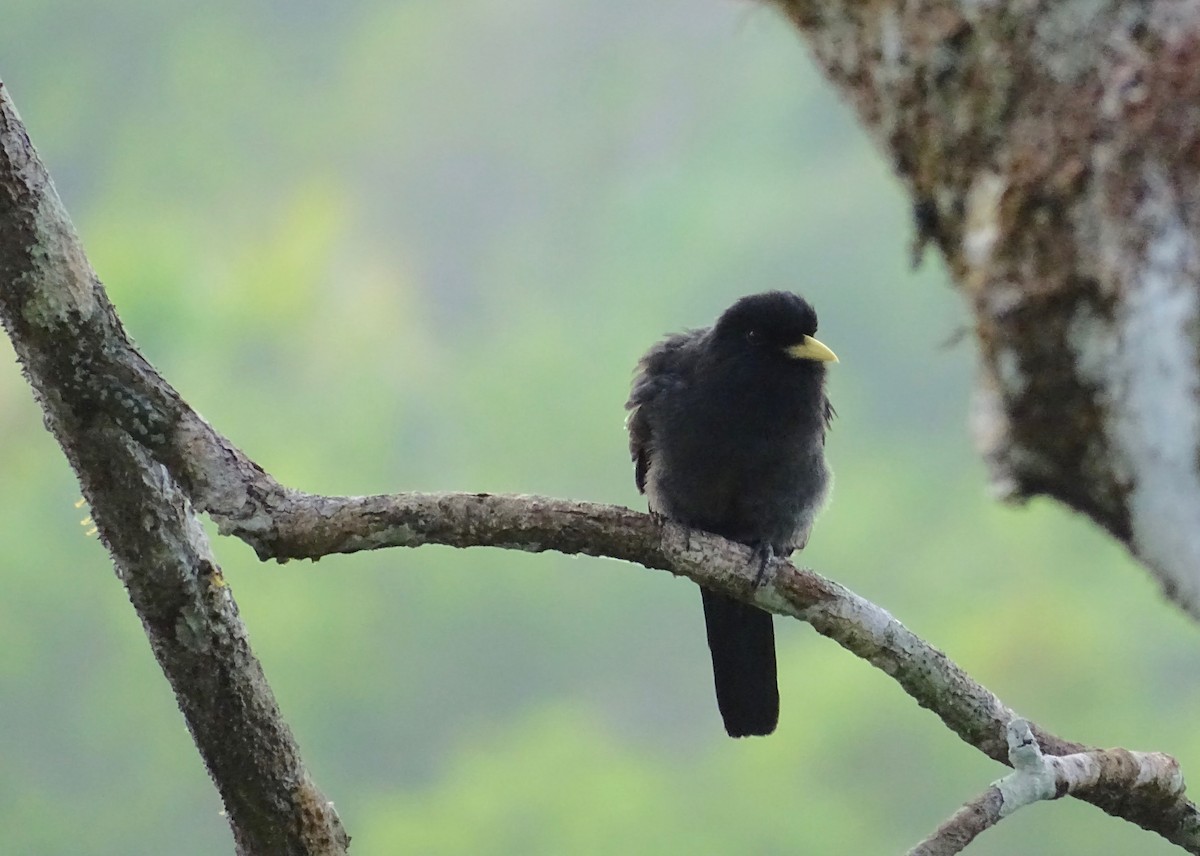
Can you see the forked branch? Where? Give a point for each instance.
(1154, 777)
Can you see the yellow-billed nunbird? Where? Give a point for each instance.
(727, 433)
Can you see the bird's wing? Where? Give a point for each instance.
(663, 368)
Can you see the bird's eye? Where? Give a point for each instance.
(753, 337)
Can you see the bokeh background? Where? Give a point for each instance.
(419, 246)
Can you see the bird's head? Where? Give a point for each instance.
(777, 325)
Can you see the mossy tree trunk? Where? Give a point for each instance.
(1051, 149)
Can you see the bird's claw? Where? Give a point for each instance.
(765, 553)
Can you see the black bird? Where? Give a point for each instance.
(727, 433)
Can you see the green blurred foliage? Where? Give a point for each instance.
(390, 246)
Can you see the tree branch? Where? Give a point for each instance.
(1153, 776)
(105, 405)
(309, 526)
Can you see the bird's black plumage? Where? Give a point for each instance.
(727, 433)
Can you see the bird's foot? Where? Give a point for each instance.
(764, 553)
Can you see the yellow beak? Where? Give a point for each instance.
(811, 349)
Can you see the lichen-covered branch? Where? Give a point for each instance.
(1051, 151)
(1154, 777)
(111, 413)
(309, 526)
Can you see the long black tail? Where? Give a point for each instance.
(742, 641)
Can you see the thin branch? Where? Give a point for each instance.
(963, 826)
(1154, 777)
(310, 526)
